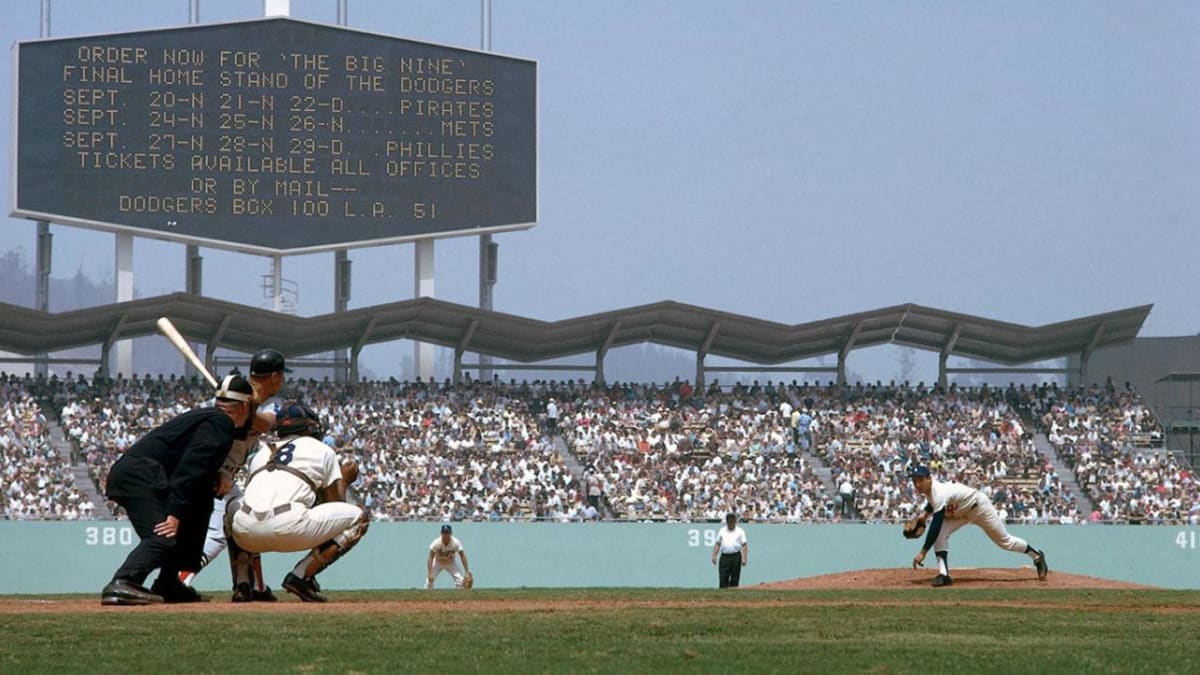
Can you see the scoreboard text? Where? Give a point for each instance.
(274, 135)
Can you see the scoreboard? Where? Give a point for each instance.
(274, 136)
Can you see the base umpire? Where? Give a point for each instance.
(731, 545)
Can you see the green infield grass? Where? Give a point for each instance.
(617, 631)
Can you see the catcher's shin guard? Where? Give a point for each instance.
(326, 554)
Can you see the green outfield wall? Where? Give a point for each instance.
(55, 557)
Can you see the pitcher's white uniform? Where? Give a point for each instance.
(964, 505)
(277, 511)
(445, 560)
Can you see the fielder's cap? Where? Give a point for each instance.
(920, 471)
(731, 516)
(235, 388)
(266, 362)
(446, 529)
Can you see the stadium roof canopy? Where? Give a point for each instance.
(216, 323)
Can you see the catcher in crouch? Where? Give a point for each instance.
(294, 499)
(953, 505)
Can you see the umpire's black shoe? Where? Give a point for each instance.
(174, 592)
(265, 595)
(306, 590)
(1039, 561)
(125, 592)
(942, 580)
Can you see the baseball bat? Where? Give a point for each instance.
(170, 332)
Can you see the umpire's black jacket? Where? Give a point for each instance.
(182, 457)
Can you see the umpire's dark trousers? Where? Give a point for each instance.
(139, 485)
(729, 569)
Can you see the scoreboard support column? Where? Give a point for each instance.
(123, 272)
(423, 288)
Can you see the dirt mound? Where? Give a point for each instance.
(983, 577)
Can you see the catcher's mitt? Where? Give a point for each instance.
(914, 528)
(468, 581)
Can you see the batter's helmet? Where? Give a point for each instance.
(297, 419)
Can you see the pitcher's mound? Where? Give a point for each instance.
(983, 577)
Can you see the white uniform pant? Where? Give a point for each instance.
(298, 529)
(985, 516)
(215, 542)
(451, 567)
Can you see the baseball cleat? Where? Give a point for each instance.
(241, 593)
(176, 593)
(125, 592)
(265, 595)
(1039, 561)
(942, 580)
(306, 590)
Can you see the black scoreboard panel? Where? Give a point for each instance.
(274, 135)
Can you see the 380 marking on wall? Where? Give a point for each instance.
(108, 536)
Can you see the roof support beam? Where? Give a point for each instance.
(845, 351)
(210, 348)
(1097, 335)
(462, 347)
(603, 350)
(358, 345)
(944, 355)
(106, 348)
(703, 352)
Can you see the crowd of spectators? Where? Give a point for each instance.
(1112, 441)
(38, 482)
(572, 451)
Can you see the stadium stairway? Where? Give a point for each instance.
(79, 469)
(1065, 475)
(576, 468)
(821, 470)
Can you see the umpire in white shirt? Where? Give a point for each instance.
(731, 546)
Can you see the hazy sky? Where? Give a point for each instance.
(1026, 161)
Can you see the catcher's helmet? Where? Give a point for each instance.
(297, 419)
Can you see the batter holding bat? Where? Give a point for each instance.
(950, 506)
(267, 368)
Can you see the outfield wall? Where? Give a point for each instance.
(57, 557)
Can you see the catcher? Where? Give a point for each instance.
(295, 499)
(441, 558)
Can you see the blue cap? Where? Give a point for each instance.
(446, 529)
(920, 471)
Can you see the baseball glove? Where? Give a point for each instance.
(468, 581)
(349, 471)
(914, 528)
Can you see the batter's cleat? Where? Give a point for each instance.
(265, 595)
(942, 580)
(1039, 561)
(306, 590)
(176, 593)
(125, 592)
(186, 578)
(242, 593)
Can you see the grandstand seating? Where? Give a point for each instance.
(475, 452)
(37, 482)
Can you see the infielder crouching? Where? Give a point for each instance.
(441, 559)
(294, 500)
(953, 505)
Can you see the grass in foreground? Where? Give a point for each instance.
(704, 631)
